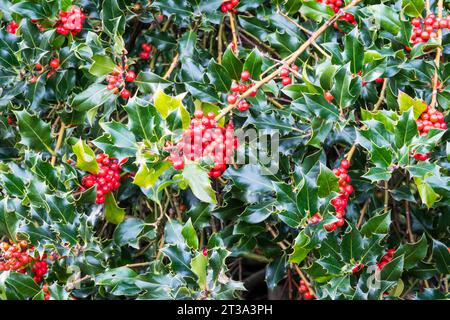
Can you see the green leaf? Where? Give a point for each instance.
(219, 76)
(300, 247)
(382, 157)
(102, 65)
(149, 82)
(128, 231)
(413, 8)
(113, 213)
(199, 182)
(377, 174)
(316, 11)
(405, 102)
(34, 132)
(253, 64)
(406, 129)
(92, 98)
(413, 252)
(146, 177)
(354, 50)
(85, 157)
(190, 235)
(426, 192)
(377, 224)
(113, 18)
(198, 267)
(232, 64)
(275, 271)
(166, 104)
(327, 182)
(441, 255)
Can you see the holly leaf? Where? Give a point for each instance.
(34, 132)
(327, 182)
(199, 182)
(85, 157)
(113, 213)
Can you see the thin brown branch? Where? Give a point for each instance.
(233, 30)
(172, 66)
(363, 213)
(408, 222)
(289, 60)
(58, 143)
(437, 60)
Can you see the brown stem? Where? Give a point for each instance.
(219, 43)
(58, 143)
(437, 61)
(172, 66)
(363, 213)
(375, 108)
(408, 222)
(386, 196)
(289, 60)
(137, 265)
(318, 47)
(381, 97)
(233, 31)
(296, 267)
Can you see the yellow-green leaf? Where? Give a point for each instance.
(85, 157)
(113, 213)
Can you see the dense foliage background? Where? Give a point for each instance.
(179, 234)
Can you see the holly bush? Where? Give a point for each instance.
(209, 149)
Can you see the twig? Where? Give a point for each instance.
(219, 43)
(381, 97)
(363, 213)
(408, 222)
(138, 265)
(318, 47)
(296, 267)
(437, 60)
(233, 30)
(172, 66)
(375, 108)
(386, 196)
(289, 60)
(58, 143)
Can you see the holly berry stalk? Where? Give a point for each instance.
(289, 60)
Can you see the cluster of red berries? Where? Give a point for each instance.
(386, 258)
(341, 201)
(203, 140)
(229, 6)
(346, 17)
(146, 50)
(70, 21)
(427, 28)
(304, 291)
(238, 88)
(116, 81)
(40, 268)
(285, 75)
(429, 119)
(16, 257)
(358, 267)
(333, 4)
(316, 218)
(12, 27)
(107, 179)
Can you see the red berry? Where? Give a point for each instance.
(54, 64)
(328, 96)
(131, 76)
(231, 99)
(125, 94)
(245, 75)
